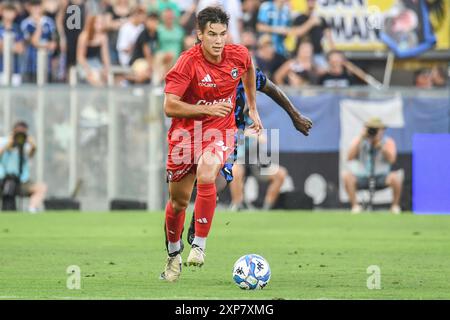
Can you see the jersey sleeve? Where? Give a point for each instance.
(179, 77)
(261, 79)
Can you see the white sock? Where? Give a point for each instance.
(174, 246)
(200, 242)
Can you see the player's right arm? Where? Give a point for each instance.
(175, 108)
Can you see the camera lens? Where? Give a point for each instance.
(20, 138)
(372, 131)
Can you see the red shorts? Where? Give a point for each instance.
(183, 158)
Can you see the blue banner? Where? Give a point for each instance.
(422, 115)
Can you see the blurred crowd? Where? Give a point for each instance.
(138, 41)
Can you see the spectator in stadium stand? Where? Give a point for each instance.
(313, 28)
(160, 6)
(385, 155)
(102, 5)
(299, 70)
(267, 59)
(250, 14)
(234, 10)
(128, 34)
(51, 9)
(39, 32)
(274, 17)
(170, 45)
(184, 11)
(9, 13)
(146, 45)
(422, 79)
(185, 5)
(188, 15)
(189, 41)
(93, 52)
(438, 77)
(117, 15)
(22, 13)
(69, 36)
(248, 39)
(336, 75)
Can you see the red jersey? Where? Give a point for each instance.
(200, 82)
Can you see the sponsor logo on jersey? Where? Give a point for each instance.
(208, 103)
(234, 73)
(207, 82)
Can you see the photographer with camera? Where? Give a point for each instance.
(374, 154)
(15, 153)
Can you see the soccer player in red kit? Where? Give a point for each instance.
(200, 95)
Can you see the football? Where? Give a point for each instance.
(251, 272)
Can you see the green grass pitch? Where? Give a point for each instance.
(319, 255)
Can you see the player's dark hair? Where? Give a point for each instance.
(211, 15)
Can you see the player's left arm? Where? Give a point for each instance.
(301, 123)
(249, 82)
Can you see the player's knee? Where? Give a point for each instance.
(179, 204)
(206, 177)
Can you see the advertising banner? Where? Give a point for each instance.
(408, 27)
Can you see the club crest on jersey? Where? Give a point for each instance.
(234, 73)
